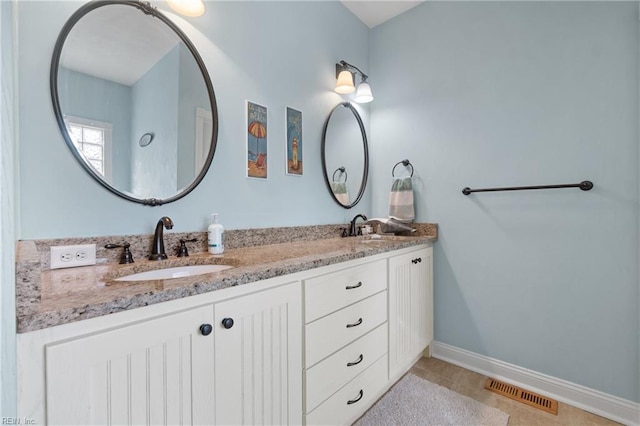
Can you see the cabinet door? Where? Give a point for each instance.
(259, 359)
(153, 372)
(410, 308)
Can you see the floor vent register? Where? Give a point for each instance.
(518, 394)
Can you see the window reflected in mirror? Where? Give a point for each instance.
(93, 140)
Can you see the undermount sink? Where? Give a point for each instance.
(175, 272)
(376, 238)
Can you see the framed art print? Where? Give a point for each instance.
(294, 142)
(256, 130)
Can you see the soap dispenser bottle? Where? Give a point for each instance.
(216, 236)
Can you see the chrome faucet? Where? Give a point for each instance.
(157, 251)
(352, 226)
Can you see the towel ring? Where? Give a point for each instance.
(342, 170)
(404, 163)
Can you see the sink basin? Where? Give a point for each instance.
(176, 272)
(375, 238)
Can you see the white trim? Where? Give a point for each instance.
(204, 131)
(612, 407)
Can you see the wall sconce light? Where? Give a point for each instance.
(191, 8)
(346, 76)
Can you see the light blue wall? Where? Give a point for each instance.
(487, 94)
(269, 52)
(192, 95)
(165, 101)
(78, 95)
(154, 99)
(7, 214)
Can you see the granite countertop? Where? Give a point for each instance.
(46, 298)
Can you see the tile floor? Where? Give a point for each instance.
(471, 384)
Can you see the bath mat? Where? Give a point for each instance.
(415, 401)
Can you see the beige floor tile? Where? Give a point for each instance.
(521, 416)
(440, 367)
(471, 384)
(468, 379)
(431, 376)
(569, 415)
(493, 400)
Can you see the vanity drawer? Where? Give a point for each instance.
(364, 390)
(328, 376)
(333, 291)
(328, 334)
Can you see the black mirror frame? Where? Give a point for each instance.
(365, 174)
(146, 8)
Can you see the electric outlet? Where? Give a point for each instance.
(72, 256)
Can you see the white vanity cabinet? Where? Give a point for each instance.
(180, 365)
(258, 361)
(410, 308)
(318, 346)
(154, 372)
(391, 300)
(345, 342)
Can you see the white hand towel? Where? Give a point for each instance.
(401, 200)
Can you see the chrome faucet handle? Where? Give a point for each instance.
(126, 257)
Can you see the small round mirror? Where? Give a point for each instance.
(345, 155)
(123, 76)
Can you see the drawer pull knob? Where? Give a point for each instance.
(416, 260)
(353, 401)
(351, 287)
(351, 364)
(355, 324)
(206, 329)
(227, 323)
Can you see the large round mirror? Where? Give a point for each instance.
(134, 101)
(345, 155)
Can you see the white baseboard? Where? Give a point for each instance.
(605, 405)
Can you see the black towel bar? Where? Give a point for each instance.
(585, 185)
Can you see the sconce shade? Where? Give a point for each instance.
(364, 95)
(190, 8)
(345, 83)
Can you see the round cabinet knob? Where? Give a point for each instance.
(227, 323)
(206, 329)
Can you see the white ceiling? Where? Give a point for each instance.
(374, 12)
(108, 37)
